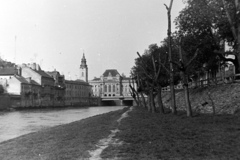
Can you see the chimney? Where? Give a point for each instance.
(37, 67)
(19, 71)
(34, 66)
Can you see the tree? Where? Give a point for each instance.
(173, 102)
(213, 22)
(151, 77)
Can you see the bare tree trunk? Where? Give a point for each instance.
(186, 95)
(173, 102)
(138, 99)
(149, 103)
(152, 102)
(159, 98)
(134, 93)
(238, 46)
(143, 100)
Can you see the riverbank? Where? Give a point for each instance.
(141, 135)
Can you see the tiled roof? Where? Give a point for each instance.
(42, 73)
(112, 72)
(8, 71)
(76, 82)
(79, 80)
(53, 73)
(21, 79)
(35, 83)
(96, 79)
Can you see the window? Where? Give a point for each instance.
(113, 88)
(109, 88)
(105, 88)
(82, 74)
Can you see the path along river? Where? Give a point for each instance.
(17, 123)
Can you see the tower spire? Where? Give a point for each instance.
(84, 69)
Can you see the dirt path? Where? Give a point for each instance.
(105, 142)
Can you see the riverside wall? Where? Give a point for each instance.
(4, 102)
(17, 102)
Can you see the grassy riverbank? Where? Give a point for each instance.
(64, 142)
(144, 136)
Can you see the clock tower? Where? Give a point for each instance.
(84, 69)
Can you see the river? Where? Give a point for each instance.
(17, 123)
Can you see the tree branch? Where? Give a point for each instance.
(166, 6)
(164, 67)
(145, 72)
(175, 63)
(234, 32)
(195, 55)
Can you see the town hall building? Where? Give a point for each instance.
(110, 84)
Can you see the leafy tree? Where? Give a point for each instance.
(212, 22)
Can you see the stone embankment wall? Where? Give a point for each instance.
(225, 97)
(4, 102)
(11, 101)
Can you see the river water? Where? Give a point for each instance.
(17, 123)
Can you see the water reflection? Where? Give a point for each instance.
(17, 123)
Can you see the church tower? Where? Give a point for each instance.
(84, 69)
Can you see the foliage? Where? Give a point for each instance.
(205, 22)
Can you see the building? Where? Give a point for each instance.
(29, 86)
(77, 92)
(34, 72)
(111, 84)
(59, 87)
(84, 69)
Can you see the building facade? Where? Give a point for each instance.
(111, 84)
(27, 85)
(77, 92)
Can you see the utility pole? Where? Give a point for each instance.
(15, 50)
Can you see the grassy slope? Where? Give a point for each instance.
(64, 142)
(153, 136)
(226, 98)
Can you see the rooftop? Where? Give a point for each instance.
(111, 72)
(8, 71)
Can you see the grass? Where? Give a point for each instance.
(64, 142)
(144, 135)
(153, 136)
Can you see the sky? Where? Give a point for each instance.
(56, 33)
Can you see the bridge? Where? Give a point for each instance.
(117, 101)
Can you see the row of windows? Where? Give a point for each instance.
(75, 86)
(110, 88)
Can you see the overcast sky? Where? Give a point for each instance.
(55, 33)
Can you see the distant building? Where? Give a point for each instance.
(76, 91)
(84, 69)
(59, 87)
(28, 85)
(34, 72)
(110, 84)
